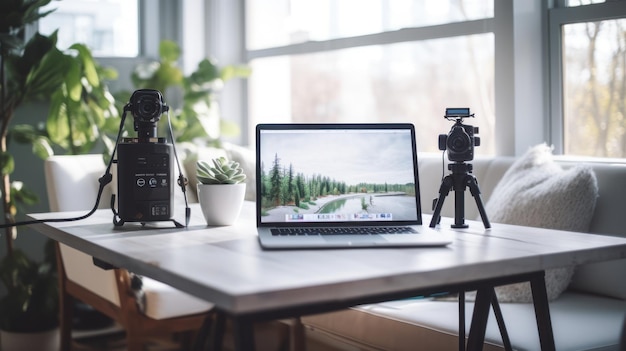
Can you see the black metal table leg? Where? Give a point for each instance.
(497, 311)
(204, 333)
(243, 333)
(476, 337)
(462, 321)
(542, 311)
(211, 333)
(217, 336)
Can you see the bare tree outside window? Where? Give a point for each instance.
(594, 71)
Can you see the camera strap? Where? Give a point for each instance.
(182, 181)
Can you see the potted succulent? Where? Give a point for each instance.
(221, 190)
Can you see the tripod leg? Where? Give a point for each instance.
(475, 191)
(459, 208)
(444, 190)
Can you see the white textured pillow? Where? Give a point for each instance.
(537, 192)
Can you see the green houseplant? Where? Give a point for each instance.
(197, 116)
(70, 82)
(27, 72)
(31, 303)
(221, 190)
(37, 70)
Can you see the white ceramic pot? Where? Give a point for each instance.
(41, 341)
(221, 203)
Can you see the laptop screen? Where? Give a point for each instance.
(339, 173)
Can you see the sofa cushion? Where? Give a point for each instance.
(579, 321)
(535, 191)
(163, 301)
(605, 278)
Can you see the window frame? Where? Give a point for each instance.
(559, 15)
(528, 95)
(501, 25)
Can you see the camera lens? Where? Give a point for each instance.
(459, 141)
(148, 107)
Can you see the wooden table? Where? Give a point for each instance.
(226, 265)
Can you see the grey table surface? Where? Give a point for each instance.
(227, 266)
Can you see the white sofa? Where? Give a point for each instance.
(588, 316)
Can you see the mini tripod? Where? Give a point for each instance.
(458, 180)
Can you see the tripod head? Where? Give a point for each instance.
(460, 168)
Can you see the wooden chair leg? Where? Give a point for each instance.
(135, 340)
(296, 335)
(66, 305)
(65, 323)
(134, 343)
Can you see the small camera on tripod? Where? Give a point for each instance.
(145, 171)
(460, 144)
(462, 139)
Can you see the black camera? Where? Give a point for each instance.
(147, 106)
(145, 174)
(462, 139)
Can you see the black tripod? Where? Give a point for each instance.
(458, 180)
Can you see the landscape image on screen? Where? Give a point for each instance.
(337, 175)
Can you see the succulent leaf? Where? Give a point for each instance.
(219, 171)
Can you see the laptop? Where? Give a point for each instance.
(339, 186)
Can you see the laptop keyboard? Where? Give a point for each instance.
(343, 231)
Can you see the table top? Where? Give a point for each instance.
(227, 266)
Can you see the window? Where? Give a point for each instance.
(588, 82)
(284, 22)
(108, 27)
(372, 61)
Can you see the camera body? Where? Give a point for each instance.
(145, 173)
(461, 139)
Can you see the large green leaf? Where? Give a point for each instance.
(207, 72)
(169, 51)
(56, 124)
(36, 48)
(7, 164)
(89, 65)
(108, 73)
(73, 81)
(34, 13)
(23, 133)
(48, 76)
(21, 12)
(42, 148)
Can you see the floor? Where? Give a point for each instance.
(116, 342)
(269, 336)
(267, 339)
